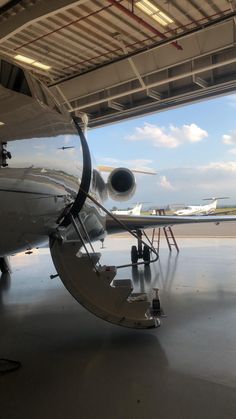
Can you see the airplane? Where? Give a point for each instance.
(207, 209)
(134, 211)
(50, 191)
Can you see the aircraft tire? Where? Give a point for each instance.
(134, 254)
(146, 255)
(4, 268)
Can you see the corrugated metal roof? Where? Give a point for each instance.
(127, 51)
(89, 34)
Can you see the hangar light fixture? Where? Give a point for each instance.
(31, 61)
(24, 59)
(41, 65)
(151, 10)
(1, 123)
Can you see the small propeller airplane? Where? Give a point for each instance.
(49, 190)
(133, 211)
(207, 209)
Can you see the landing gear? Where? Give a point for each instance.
(4, 265)
(146, 254)
(134, 254)
(141, 251)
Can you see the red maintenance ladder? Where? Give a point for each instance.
(169, 235)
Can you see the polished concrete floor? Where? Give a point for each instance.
(77, 366)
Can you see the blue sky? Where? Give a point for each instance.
(192, 148)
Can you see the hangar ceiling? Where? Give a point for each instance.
(114, 59)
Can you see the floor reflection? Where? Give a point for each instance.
(5, 284)
(160, 274)
(184, 368)
(168, 273)
(141, 276)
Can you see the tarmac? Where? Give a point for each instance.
(74, 365)
(206, 230)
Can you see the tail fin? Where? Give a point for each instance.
(137, 209)
(109, 169)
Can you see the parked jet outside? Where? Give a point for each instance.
(207, 209)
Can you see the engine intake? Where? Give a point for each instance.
(121, 184)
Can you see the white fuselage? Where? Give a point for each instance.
(134, 211)
(198, 209)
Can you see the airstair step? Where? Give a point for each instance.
(96, 289)
(138, 296)
(123, 283)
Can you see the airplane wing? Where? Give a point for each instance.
(225, 212)
(135, 222)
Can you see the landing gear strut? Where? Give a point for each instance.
(4, 265)
(140, 251)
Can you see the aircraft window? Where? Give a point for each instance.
(13, 77)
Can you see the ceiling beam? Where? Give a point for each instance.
(158, 106)
(32, 14)
(8, 5)
(115, 105)
(185, 35)
(150, 86)
(131, 61)
(200, 81)
(143, 22)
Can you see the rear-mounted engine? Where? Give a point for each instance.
(121, 184)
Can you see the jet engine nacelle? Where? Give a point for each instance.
(121, 184)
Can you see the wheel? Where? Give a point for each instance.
(4, 268)
(134, 254)
(146, 254)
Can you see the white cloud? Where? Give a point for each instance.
(169, 138)
(155, 134)
(189, 133)
(229, 139)
(229, 166)
(193, 184)
(164, 183)
(226, 139)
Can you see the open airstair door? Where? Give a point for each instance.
(91, 284)
(95, 288)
